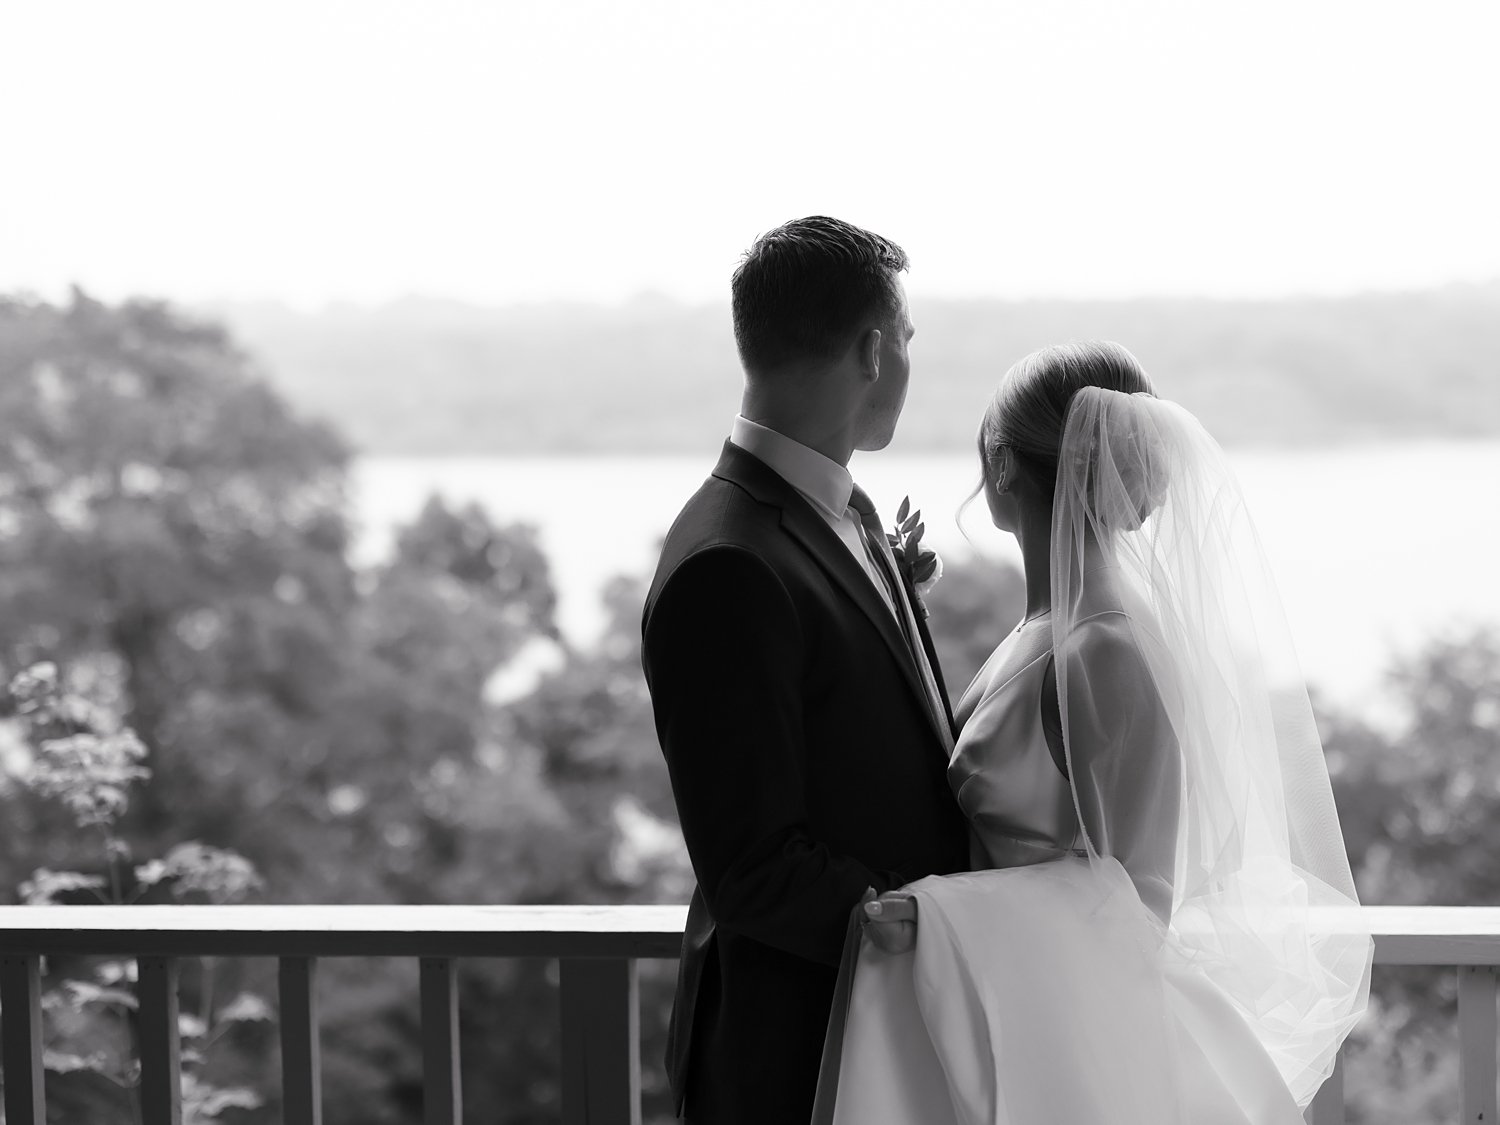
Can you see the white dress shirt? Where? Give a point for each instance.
(821, 481)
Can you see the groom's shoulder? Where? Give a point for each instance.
(720, 514)
(738, 504)
(727, 520)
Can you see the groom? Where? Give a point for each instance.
(797, 696)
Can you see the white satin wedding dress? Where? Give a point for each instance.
(1149, 943)
(1032, 996)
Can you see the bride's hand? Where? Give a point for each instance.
(891, 922)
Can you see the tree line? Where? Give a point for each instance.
(441, 378)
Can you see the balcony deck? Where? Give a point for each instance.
(596, 946)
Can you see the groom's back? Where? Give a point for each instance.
(804, 769)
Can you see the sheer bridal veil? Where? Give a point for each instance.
(1191, 746)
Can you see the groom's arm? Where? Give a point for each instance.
(724, 657)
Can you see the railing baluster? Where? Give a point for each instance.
(601, 1042)
(161, 1041)
(301, 1071)
(1327, 1106)
(21, 1032)
(1476, 1043)
(442, 1096)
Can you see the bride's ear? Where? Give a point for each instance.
(1003, 469)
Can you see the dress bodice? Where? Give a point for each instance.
(1017, 800)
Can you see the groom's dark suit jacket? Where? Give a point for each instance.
(806, 767)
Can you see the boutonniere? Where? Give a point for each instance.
(919, 566)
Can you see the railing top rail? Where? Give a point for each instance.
(333, 931)
(1431, 935)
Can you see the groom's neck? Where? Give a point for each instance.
(817, 425)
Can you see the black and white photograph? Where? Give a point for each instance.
(796, 563)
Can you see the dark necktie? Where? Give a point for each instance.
(874, 536)
(884, 562)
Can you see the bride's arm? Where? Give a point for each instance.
(1123, 758)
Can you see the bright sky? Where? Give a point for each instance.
(594, 149)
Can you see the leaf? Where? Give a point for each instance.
(914, 539)
(149, 874)
(61, 1062)
(35, 688)
(925, 567)
(88, 772)
(910, 522)
(204, 1100)
(245, 1007)
(81, 993)
(901, 511)
(217, 873)
(113, 972)
(44, 886)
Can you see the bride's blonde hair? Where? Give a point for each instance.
(1030, 406)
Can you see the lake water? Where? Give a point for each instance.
(1377, 548)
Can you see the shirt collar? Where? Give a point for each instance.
(823, 481)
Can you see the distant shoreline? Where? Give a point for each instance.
(710, 448)
(443, 378)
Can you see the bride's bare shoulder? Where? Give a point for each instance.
(1107, 634)
(1109, 625)
(1108, 650)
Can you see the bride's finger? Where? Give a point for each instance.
(892, 908)
(893, 937)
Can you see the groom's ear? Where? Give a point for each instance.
(869, 354)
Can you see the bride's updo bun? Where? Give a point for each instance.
(1030, 407)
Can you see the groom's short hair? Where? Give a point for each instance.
(803, 291)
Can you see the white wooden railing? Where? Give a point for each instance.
(597, 948)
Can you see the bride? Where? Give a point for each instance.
(1156, 929)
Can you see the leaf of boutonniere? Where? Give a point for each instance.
(901, 511)
(910, 522)
(925, 567)
(915, 538)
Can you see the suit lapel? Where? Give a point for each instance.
(932, 661)
(802, 523)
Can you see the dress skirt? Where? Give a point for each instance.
(1039, 995)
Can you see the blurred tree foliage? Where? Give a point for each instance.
(175, 539)
(972, 607)
(81, 759)
(1419, 802)
(169, 525)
